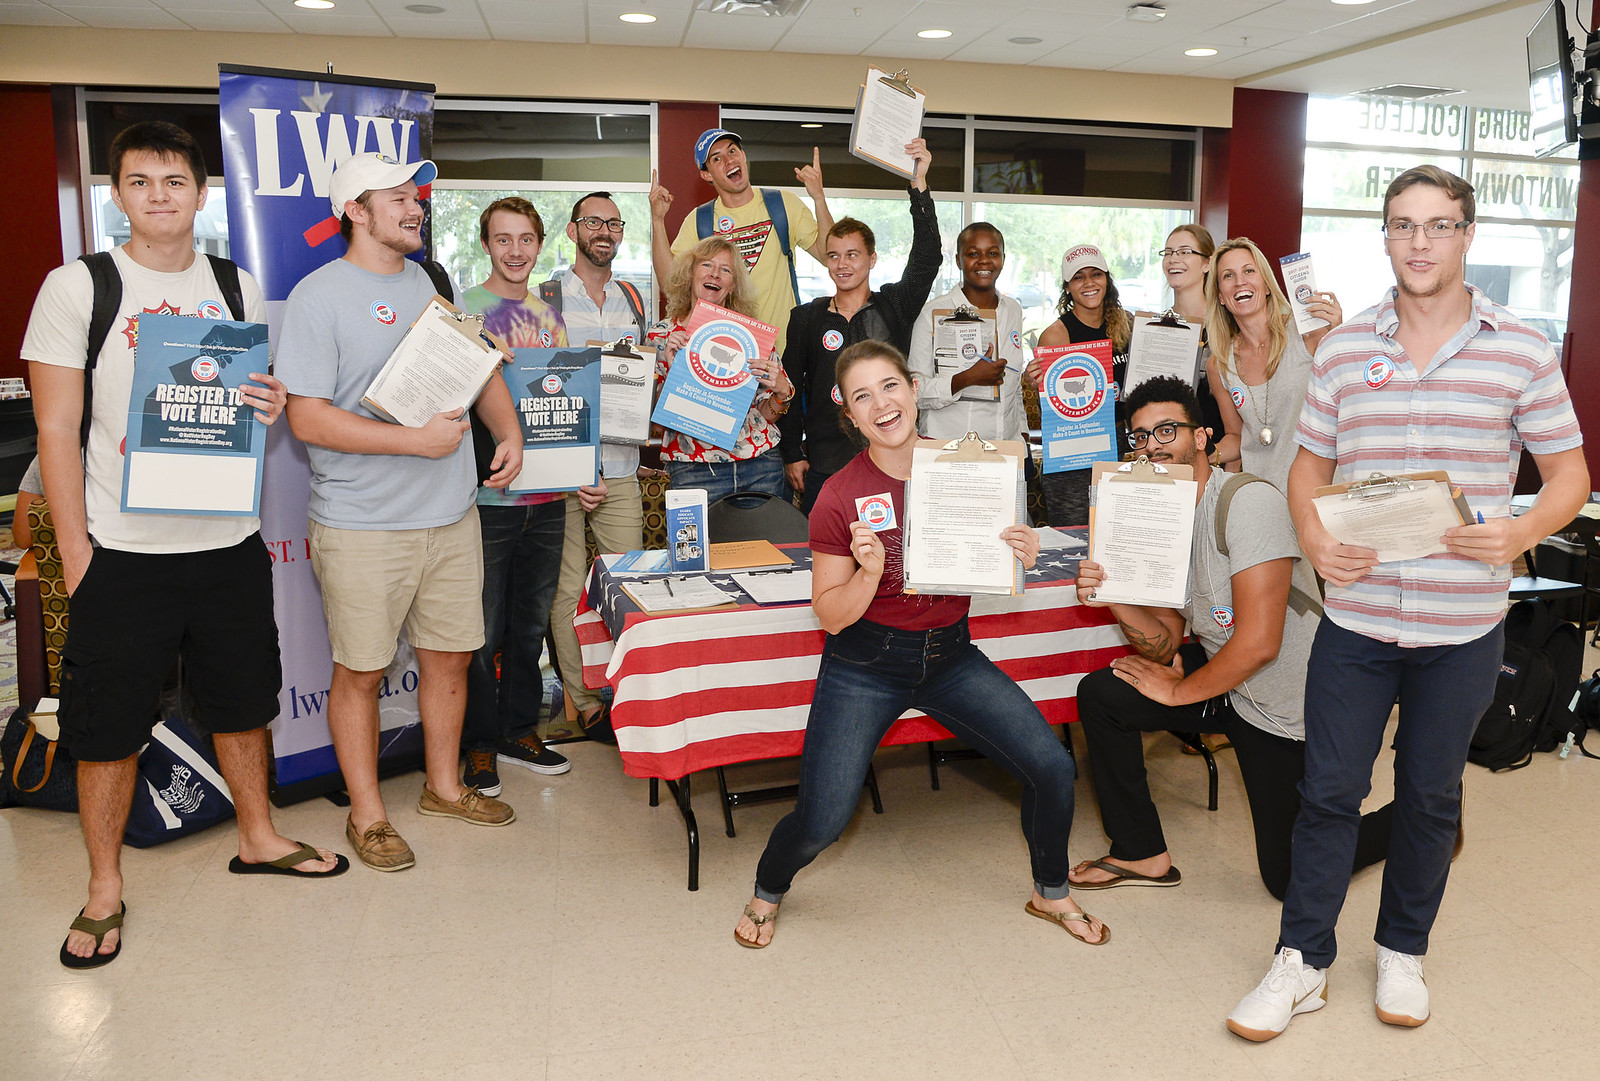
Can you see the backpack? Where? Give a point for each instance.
(1299, 601)
(550, 293)
(1537, 686)
(704, 227)
(108, 298)
(483, 443)
(1586, 713)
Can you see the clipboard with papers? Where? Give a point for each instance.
(960, 496)
(1141, 527)
(1162, 345)
(627, 380)
(1399, 516)
(888, 115)
(961, 337)
(440, 365)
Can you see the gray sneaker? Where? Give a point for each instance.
(380, 847)
(473, 806)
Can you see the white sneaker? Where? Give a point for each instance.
(1290, 987)
(1402, 997)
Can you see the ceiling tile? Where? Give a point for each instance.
(545, 31)
(234, 22)
(756, 33)
(123, 18)
(34, 14)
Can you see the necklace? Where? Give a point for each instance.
(1264, 433)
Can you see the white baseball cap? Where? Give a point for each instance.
(1084, 255)
(374, 172)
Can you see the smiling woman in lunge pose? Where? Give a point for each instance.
(887, 652)
(1259, 366)
(713, 271)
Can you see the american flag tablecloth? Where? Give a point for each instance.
(704, 689)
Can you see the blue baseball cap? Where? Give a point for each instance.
(702, 145)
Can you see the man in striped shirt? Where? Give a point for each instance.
(1436, 376)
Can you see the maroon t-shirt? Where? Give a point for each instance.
(836, 508)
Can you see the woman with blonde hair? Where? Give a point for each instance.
(1259, 365)
(713, 271)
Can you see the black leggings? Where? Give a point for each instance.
(1115, 716)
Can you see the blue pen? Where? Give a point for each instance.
(1480, 517)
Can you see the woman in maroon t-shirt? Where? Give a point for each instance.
(887, 652)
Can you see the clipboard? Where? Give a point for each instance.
(957, 330)
(897, 84)
(1399, 516)
(1143, 364)
(387, 396)
(625, 406)
(973, 448)
(1141, 471)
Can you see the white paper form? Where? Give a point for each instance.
(1404, 522)
(1157, 349)
(961, 338)
(955, 510)
(1141, 533)
(627, 379)
(440, 365)
(782, 587)
(887, 118)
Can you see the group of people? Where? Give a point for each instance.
(1300, 645)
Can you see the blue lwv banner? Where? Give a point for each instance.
(283, 134)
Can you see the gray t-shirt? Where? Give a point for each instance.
(339, 326)
(1275, 404)
(1259, 530)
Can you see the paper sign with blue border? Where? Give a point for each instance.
(194, 445)
(1077, 405)
(556, 393)
(709, 388)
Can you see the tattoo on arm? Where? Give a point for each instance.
(1157, 647)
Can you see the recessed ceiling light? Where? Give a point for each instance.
(314, 5)
(811, 125)
(1025, 41)
(1199, 52)
(1352, 3)
(637, 17)
(933, 33)
(425, 9)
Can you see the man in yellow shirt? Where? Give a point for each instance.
(766, 230)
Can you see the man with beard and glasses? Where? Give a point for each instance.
(596, 307)
(521, 531)
(394, 527)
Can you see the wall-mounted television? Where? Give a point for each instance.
(1551, 94)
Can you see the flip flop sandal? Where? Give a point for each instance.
(759, 921)
(1127, 877)
(1064, 918)
(285, 865)
(99, 929)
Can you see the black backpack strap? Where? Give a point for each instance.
(226, 271)
(107, 299)
(550, 293)
(630, 293)
(441, 280)
(1299, 601)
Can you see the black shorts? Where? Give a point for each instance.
(134, 613)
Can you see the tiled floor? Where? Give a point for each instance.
(566, 946)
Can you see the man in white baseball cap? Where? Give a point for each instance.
(394, 526)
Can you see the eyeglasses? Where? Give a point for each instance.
(1436, 230)
(1164, 252)
(1164, 433)
(594, 224)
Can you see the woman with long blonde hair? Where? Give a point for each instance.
(714, 271)
(1259, 364)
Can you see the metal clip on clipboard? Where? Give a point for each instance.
(971, 448)
(1142, 470)
(1378, 485)
(1170, 318)
(899, 82)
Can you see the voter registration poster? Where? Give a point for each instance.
(194, 445)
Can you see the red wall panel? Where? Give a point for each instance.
(1266, 169)
(33, 246)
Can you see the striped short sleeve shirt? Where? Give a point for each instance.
(1494, 388)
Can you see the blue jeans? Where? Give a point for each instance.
(521, 562)
(1352, 682)
(870, 674)
(763, 473)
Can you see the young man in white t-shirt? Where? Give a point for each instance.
(149, 588)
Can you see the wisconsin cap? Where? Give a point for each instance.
(1084, 255)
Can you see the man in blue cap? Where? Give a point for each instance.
(766, 230)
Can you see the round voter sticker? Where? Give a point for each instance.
(1237, 394)
(546, 339)
(383, 313)
(876, 511)
(1223, 616)
(551, 384)
(1077, 385)
(1379, 370)
(210, 309)
(838, 399)
(832, 340)
(725, 224)
(204, 369)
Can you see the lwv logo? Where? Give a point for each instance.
(326, 139)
